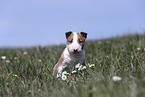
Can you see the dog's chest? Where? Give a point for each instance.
(73, 59)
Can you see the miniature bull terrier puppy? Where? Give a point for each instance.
(73, 53)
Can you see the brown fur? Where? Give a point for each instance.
(81, 38)
(59, 63)
(69, 39)
(69, 35)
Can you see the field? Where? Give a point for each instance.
(27, 72)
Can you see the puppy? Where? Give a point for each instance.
(73, 53)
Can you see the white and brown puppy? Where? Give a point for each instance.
(73, 53)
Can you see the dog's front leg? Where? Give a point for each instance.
(55, 69)
(61, 68)
(58, 68)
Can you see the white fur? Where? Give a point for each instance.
(74, 44)
(71, 59)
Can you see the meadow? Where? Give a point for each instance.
(27, 72)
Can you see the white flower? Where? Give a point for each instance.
(74, 71)
(64, 77)
(116, 78)
(7, 61)
(15, 75)
(80, 67)
(77, 66)
(64, 73)
(3, 57)
(84, 67)
(58, 75)
(138, 49)
(25, 53)
(39, 60)
(15, 58)
(91, 65)
(144, 49)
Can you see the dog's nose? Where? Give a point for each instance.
(75, 50)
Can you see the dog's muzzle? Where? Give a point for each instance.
(75, 50)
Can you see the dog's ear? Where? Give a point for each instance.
(67, 34)
(84, 34)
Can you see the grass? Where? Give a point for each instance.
(31, 74)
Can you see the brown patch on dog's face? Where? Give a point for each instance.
(67, 34)
(81, 38)
(70, 39)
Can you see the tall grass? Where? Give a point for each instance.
(31, 74)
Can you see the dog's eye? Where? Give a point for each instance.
(80, 41)
(71, 41)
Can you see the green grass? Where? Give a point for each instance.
(117, 56)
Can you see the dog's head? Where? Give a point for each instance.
(75, 41)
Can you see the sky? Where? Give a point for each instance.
(44, 22)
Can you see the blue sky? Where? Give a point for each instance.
(44, 22)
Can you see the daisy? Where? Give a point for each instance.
(15, 75)
(58, 75)
(138, 49)
(116, 78)
(77, 66)
(7, 61)
(91, 65)
(74, 71)
(15, 58)
(39, 60)
(84, 67)
(25, 53)
(80, 67)
(64, 73)
(64, 77)
(3, 57)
